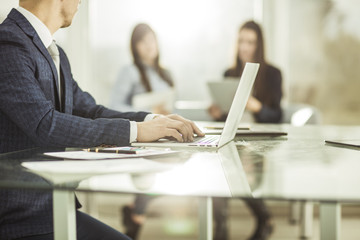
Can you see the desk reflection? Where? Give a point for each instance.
(201, 173)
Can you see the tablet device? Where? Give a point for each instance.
(223, 92)
(146, 101)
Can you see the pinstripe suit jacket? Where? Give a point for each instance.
(30, 117)
(29, 112)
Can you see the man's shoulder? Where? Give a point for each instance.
(8, 26)
(11, 32)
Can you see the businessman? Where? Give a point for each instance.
(41, 106)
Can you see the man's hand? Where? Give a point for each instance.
(171, 126)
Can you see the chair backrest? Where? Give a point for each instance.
(299, 114)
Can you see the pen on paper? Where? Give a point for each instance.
(101, 150)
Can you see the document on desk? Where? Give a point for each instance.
(85, 155)
(72, 171)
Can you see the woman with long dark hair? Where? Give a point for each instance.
(144, 75)
(264, 103)
(263, 106)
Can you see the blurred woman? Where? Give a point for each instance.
(264, 103)
(144, 75)
(264, 107)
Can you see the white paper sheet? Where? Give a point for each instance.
(83, 155)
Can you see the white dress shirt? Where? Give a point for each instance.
(40, 28)
(46, 38)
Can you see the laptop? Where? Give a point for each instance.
(232, 122)
(244, 130)
(354, 144)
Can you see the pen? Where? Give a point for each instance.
(101, 150)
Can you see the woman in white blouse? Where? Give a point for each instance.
(145, 75)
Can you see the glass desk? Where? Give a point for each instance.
(299, 166)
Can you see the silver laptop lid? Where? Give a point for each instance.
(239, 102)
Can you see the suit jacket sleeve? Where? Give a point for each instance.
(24, 101)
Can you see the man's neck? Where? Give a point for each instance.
(46, 12)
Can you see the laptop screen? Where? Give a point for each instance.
(239, 102)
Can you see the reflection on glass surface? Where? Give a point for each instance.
(299, 167)
(316, 171)
(204, 173)
(254, 161)
(143, 181)
(303, 167)
(13, 175)
(60, 172)
(201, 174)
(234, 170)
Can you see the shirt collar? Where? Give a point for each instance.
(39, 26)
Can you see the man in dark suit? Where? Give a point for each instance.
(42, 105)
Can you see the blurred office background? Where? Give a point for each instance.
(316, 44)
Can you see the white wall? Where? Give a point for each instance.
(6, 6)
(75, 41)
(197, 39)
(276, 27)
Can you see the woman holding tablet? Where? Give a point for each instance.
(263, 106)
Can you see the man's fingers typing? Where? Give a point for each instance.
(173, 133)
(173, 126)
(197, 130)
(181, 128)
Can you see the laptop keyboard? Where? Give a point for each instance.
(207, 141)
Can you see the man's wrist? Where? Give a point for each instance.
(151, 116)
(133, 131)
(134, 126)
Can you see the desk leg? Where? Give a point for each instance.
(307, 216)
(294, 217)
(205, 218)
(330, 217)
(64, 215)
